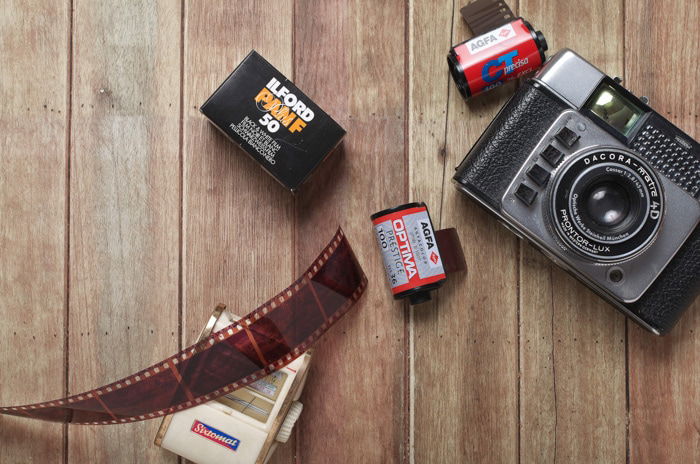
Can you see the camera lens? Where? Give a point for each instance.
(610, 200)
(606, 204)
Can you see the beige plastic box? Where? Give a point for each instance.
(244, 426)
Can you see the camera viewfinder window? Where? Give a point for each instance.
(614, 109)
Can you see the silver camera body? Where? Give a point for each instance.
(600, 183)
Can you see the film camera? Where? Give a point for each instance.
(599, 182)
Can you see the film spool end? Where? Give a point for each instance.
(541, 41)
(419, 298)
(457, 73)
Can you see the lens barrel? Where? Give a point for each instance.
(606, 204)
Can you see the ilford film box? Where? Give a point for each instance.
(272, 120)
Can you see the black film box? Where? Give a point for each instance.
(272, 120)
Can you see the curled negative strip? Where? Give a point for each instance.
(268, 338)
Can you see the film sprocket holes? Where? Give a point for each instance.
(600, 183)
(273, 121)
(234, 357)
(243, 426)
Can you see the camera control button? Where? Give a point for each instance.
(567, 137)
(525, 194)
(552, 156)
(539, 175)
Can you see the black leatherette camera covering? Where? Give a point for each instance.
(674, 290)
(499, 153)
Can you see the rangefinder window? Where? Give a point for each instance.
(613, 108)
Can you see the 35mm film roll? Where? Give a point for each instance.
(505, 48)
(416, 258)
(268, 338)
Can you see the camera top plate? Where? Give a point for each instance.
(576, 82)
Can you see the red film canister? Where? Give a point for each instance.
(503, 54)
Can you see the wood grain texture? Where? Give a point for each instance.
(125, 203)
(662, 61)
(349, 57)
(429, 37)
(237, 220)
(572, 344)
(513, 362)
(466, 346)
(33, 130)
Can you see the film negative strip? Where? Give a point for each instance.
(261, 342)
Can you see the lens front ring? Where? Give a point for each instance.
(606, 204)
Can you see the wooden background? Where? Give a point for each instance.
(125, 217)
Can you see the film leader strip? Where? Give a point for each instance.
(483, 16)
(270, 337)
(450, 250)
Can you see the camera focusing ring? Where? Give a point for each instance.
(606, 204)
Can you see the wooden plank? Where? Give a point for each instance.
(33, 127)
(237, 220)
(125, 204)
(429, 39)
(466, 347)
(349, 59)
(572, 361)
(664, 373)
(125, 192)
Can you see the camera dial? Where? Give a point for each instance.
(606, 204)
